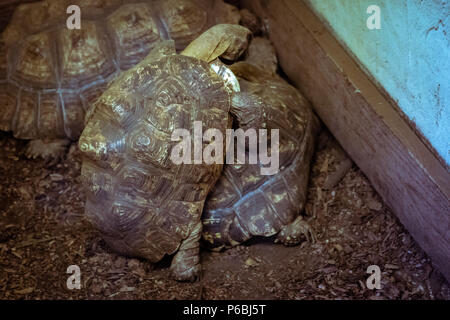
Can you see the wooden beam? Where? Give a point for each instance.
(366, 122)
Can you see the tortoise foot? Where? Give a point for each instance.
(292, 234)
(51, 151)
(186, 274)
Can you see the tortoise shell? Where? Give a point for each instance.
(143, 204)
(49, 75)
(244, 203)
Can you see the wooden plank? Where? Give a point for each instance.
(367, 123)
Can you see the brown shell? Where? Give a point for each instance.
(49, 75)
(245, 203)
(144, 204)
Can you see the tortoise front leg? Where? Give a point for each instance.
(291, 234)
(186, 262)
(49, 150)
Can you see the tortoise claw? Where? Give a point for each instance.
(291, 234)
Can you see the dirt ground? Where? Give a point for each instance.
(43, 231)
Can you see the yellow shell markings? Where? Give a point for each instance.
(227, 75)
(82, 54)
(265, 204)
(132, 19)
(92, 142)
(149, 150)
(3, 62)
(41, 17)
(233, 243)
(208, 237)
(8, 98)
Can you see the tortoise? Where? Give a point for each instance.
(7, 9)
(50, 75)
(244, 203)
(142, 203)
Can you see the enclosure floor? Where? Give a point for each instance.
(43, 231)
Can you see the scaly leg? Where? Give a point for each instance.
(186, 263)
(291, 234)
(47, 149)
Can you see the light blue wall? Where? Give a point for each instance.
(409, 56)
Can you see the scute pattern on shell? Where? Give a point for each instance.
(143, 204)
(50, 75)
(245, 203)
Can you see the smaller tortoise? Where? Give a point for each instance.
(144, 204)
(50, 75)
(245, 203)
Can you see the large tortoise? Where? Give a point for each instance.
(244, 203)
(144, 204)
(50, 75)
